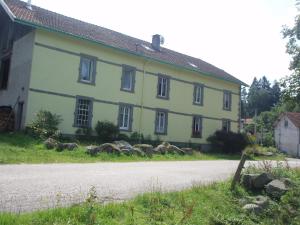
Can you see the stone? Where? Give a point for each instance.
(261, 180)
(127, 151)
(123, 145)
(92, 150)
(60, 147)
(252, 208)
(138, 152)
(267, 154)
(247, 180)
(147, 149)
(288, 182)
(261, 201)
(276, 188)
(188, 151)
(50, 143)
(110, 148)
(162, 148)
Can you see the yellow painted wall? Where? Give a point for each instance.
(57, 71)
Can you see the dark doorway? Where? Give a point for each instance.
(4, 72)
(19, 115)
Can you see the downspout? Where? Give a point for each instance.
(142, 97)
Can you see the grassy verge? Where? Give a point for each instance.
(19, 148)
(208, 205)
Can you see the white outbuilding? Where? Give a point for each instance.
(287, 133)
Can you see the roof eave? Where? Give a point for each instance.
(7, 10)
(24, 22)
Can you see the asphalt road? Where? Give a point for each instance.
(34, 187)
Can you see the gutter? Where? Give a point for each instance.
(7, 10)
(23, 22)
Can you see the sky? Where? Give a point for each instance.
(241, 37)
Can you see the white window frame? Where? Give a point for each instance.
(161, 122)
(198, 94)
(163, 87)
(227, 100)
(91, 63)
(128, 72)
(227, 123)
(83, 111)
(125, 117)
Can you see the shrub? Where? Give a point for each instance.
(136, 138)
(228, 142)
(45, 124)
(123, 137)
(107, 131)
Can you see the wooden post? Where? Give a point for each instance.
(237, 175)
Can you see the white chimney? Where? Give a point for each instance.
(28, 5)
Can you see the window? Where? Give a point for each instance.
(163, 87)
(128, 79)
(227, 100)
(286, 123)
(4, 72)
(87, 70)
(197, 127)
(198, 94)
(161, 121)
(125, 117)
(83, 112)
(226, 125)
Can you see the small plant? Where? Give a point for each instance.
(107, 131)
(228, 142)
(91, 202)
(136, 138)
(45, 124)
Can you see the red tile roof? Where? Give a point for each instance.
(38, 17)
(294, 117)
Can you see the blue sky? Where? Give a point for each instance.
(241, 37)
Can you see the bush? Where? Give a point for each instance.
(45, 124)
(228, 142)
(107, 131)
(136, 138)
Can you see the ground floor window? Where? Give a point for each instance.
(226, 125)
(125, 117)
(161, 122)
(83, 112)
(197, 127)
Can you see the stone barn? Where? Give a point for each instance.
(287, 133)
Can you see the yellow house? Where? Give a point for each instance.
(87, 73)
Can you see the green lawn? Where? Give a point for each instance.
(207, 205)
(19, 148)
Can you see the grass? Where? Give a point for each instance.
(207, 205)
(18, 148)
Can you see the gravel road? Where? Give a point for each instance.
(34, 187)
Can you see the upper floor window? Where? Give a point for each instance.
(163, 87)
(161, 122)
(227, 100)
(87, 70)
(128, 78)
(83, 112)
(198, 94)
(226, 125)
(197, 127)
(125, 117)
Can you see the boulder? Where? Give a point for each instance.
(147, 149)
(50, 143)
(247, 180)
(261, 180)
(267, 154)
(123, 145)
(92, 150)
(276, 188)
(110, 148)
(127, 151)
(188, 151)
(252, 208)
(70, 146)
(175, 149)
(162, 148)
(287, 182)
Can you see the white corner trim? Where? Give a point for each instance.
(7, 10)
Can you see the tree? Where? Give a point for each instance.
(244, 109)
(275, 93)
(291, 83)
